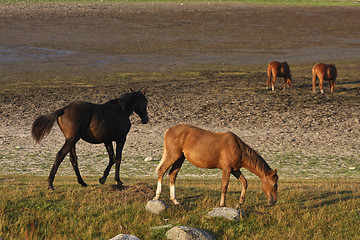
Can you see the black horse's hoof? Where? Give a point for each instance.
(83, 184)
(51, 188)
(102, 180)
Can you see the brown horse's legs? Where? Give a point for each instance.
(273, 82)
(321, 85)
(110, 149)
(159, 184)
(167, 160)
(69, 144)
(74, 163)
(119, 148)
(224, 185)
(172, 178)
(332, 85)
(314, 81)
(238, 174)
(268, 82)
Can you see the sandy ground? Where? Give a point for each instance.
(301, 133)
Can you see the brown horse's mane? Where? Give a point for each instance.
(254, 159)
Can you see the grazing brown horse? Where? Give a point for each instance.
(324, 72)
(278, 69)
(94, 123)
(205, 149)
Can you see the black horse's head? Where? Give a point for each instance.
(140, 105)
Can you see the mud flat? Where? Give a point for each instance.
(204, 64)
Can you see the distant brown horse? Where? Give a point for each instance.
(205, 149)
(94, 123)
(278, 69)
(324, 72)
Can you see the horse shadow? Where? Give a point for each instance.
(116, 187)
(327, 202)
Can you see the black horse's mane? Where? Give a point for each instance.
(124, 100)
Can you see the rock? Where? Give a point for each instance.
(156, 206)
(188, 233)
(125, 237)
(228, 213)
(148, 159)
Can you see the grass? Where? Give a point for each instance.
(282, 2)
(306, 209)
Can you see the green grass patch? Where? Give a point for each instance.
(306, 209)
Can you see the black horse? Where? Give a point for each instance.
(94, 123)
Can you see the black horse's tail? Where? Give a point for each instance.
(43, 124)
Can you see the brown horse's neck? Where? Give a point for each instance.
(258, 167)
(252, 161)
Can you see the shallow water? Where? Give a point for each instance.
(56, 57)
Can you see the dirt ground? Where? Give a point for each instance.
(204, 64)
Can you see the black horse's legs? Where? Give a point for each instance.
(74, 163)
(69, 144)
(119, 148)
(110, 150)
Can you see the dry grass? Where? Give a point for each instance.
(321, 209)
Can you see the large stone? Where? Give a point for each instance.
(125, 237)
(156, 206)
(188, 233)
(228, 213)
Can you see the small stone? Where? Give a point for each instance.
(228, 213)
(190, 233)
(148, 159)
(125, 237)
(156, 206)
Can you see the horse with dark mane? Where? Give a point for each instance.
(94, 123)
(278, 69)
(205, 149)
(324, 72)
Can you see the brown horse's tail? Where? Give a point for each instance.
(314, 76)
(43, 124)
(269, 71)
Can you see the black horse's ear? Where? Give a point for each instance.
(145, 91)
(132, 90)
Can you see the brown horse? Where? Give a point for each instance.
(324, 72)
(94, 123)
(278, 69)
(205, 149)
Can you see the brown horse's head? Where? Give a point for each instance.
(140, 106)
(288, 81)
(269, 186)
